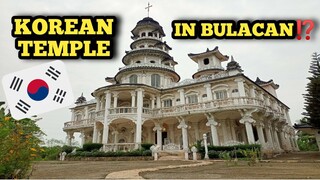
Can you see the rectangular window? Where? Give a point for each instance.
(221, 94)
(167, 103)
(192, 99)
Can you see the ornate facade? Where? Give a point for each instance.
(147, 103)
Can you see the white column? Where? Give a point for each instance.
(86, 112)
(158, 129)
(196, 130)
(152, 102)
(105, 122)
(283, 140)
(276, 138)
(181, 94)
(171, 131)
(252, 92)
(115, 99)
(208, 91)
(83, 138)
(158, 102)
(247, 121)
(99, 136)
(69, 138)
(183, 126)
(97, 104)
(224, 131)
(133, 98)
(233, 132)
(214, 133)
(72, 115)
(95, 133)
(139, 117)
(240, 87)
(268, 133)
(259, 127)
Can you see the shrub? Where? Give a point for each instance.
(92, 146)
(146, 146)
(213, 154)
(147, 153)
(235, 151)
(67, 149)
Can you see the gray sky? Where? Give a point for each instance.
(285, 61)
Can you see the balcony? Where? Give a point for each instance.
(235, 103)
(149, 65)
(79, 124)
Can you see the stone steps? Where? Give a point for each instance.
(171, 155)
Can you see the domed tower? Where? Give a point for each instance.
(148, 62)
(209, 62)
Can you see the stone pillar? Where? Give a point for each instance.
(233, 131)
(171, 131)
(196, 130)
(240, 87)
(252, 92)
(115, 99)
(158, 129)
(83, 138)
(183, 126)
(209, 92)
(262, 141)
(276, 138)
(205, 146)
(158, 102)
(97, 104)
(268, 133)
(99, 136)
(133, 98)
(86, 112)
(106, 122)
(224, 131)
(283, 140)
(214, 133)
(152, 102)
(247, 121)
(69, 138)
(139, 117)
(115, 138)
(181, 95)
(95, 133)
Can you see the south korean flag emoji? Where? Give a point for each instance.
(38, 90)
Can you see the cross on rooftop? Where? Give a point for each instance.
(148, 7)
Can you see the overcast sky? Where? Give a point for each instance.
(285, 61)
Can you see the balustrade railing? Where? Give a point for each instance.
(123, 110)
(79, 123)
(120, 146)
(233, 102)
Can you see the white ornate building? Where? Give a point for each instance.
(146, 103)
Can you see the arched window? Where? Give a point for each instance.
(206, 61)
(234, 90)
(221, 94)
(204, 95)
(150, 34)
(155, 80)
(78, 117)
(152, 62)
(138, 62)
(193, 99)
(143, 34)
(133, 79)
(167, 103)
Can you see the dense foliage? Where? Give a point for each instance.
(237, 151)
(307, 142)
(138, 152)
(312, 98)
(92, 146)
(19, 145)
(146, 146)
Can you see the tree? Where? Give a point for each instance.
(19, 145)
(312, 98)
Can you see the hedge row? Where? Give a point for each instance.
(111, 154)
(235, 151)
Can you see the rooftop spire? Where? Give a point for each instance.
(148, 8)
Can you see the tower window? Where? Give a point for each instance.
(142, 46)
(138, 62)
(133, 79)
(152, 62)
(178, 99)
(206, 61)
(150, 34)
(155, 35)
(234, 90)
(155, 80)
(204, 95)
(143, 34)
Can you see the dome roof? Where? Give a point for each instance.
(148, 21)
